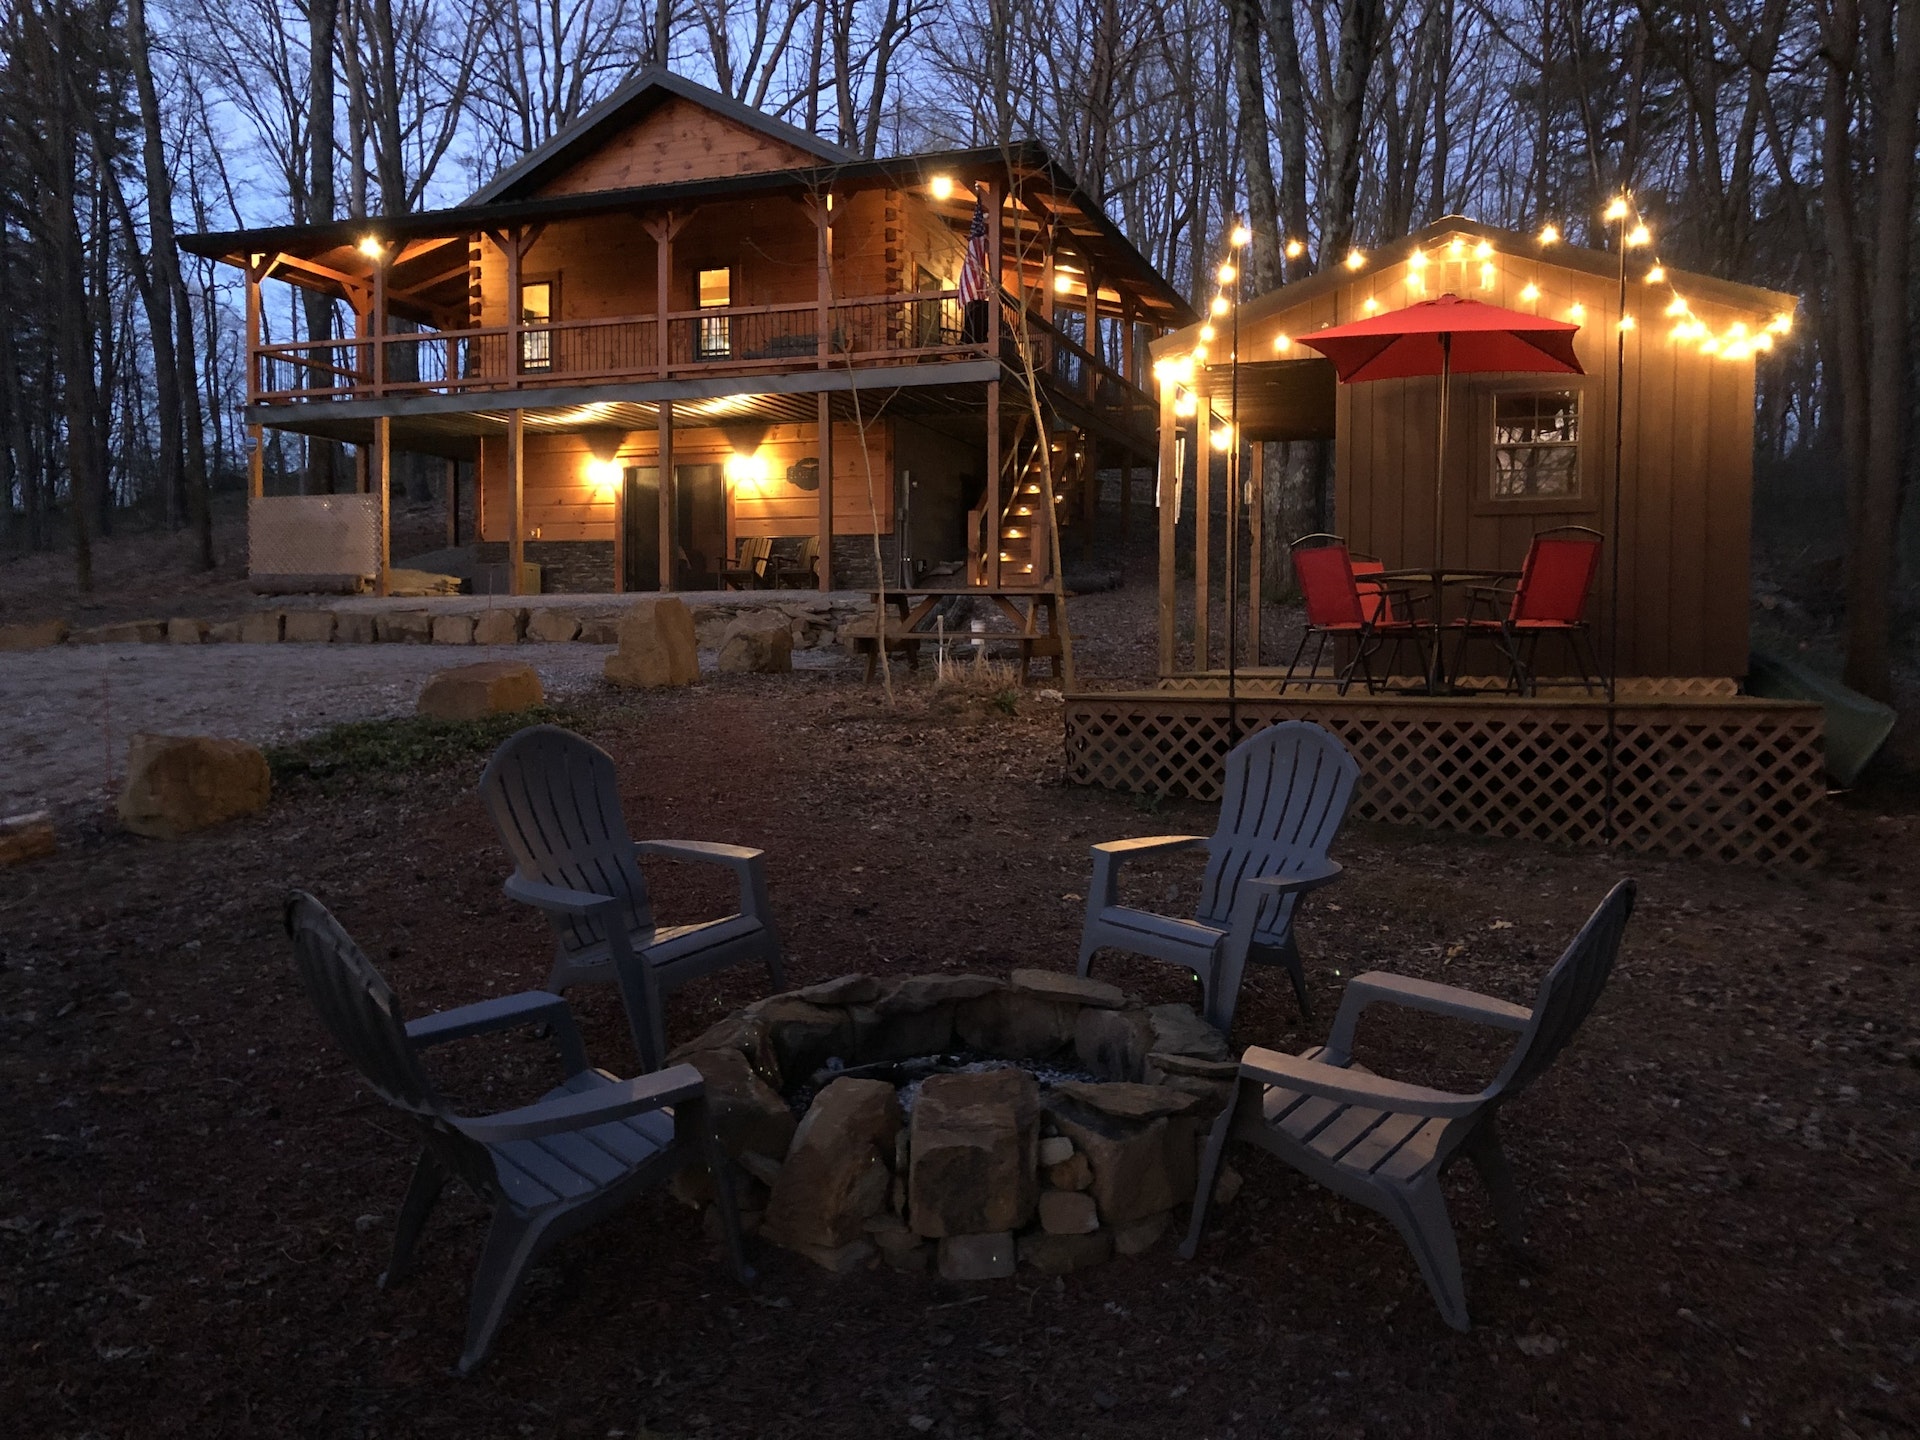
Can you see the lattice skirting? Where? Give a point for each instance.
(1632, 687)
(1734, 779)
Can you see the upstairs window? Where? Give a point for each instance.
(536, 308)
(715, 292)
(1536, 445)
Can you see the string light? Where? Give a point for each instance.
(1639, 235)
(1656, 275)
(1626, 322)
(1781, 323)
(1227, 273)
(1549, 234)
(1295, 249)
(1282, 341)
(1355, 259)
(370, 247)
(1678, 307)
(1219, 306)
(1241, 237)
(1483, 251)
(1616, 209)
(1417, 260)
(1223, 439)
(1576, 311)
(1531, 293)
(1456, 247)
(1371, 305)
(1206, 332)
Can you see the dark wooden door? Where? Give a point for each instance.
(643, 528)
(700, 524)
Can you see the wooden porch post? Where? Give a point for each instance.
(1163, 501)
(823, 422)
(254, 269)
(1130, 370)
(1202, 536)
(1257, 546)
(383, 467)
(511, 245)
(256, 461)
(996, 260)
(822, 209)
(620, 531)
(663, 228)
(516, 466)
(990, 570)
(1091, 334)
(377, 324)
(665, 470)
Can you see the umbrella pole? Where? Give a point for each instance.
(1435, 670)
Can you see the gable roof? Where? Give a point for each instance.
(632, 102)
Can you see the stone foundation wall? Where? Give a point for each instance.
(567, 567)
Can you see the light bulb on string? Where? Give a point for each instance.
(1219, 306)
(1206, 331)
(1227, 273)
(1549, 234)
(1241, 237)
(1456, 247)
(1656, 275)
(1282, 341)
(1417, 260)
(1483, 251)
(1638, 236)
(1295, 249)
(1626, 322)
(1531, 293)
(1576, 311)
(1355, 259)
(1616, 209)
(1370, 305)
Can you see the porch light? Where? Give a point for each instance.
(746, 470)
(1223, 438)
(1062, 282)
(1241, 237)
(1549, 234)
(371, 247)
(941, 187)
(1355, 259)
(604, 475)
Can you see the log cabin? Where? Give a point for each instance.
(681, 327)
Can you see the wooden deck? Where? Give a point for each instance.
(1725, 777)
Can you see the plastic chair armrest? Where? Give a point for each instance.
(507, 1012)
(605, 1103)
(1382, 987)
(555, 899)
(1354, 1087)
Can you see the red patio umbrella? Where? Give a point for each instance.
(1445, 336)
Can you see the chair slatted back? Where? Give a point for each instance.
(755, 552)
(555, 799)
(1556, 577)
(1327, 588)
(1286, 793)
(362, 1014)
(1568, 992)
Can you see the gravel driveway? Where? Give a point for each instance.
(68, 711)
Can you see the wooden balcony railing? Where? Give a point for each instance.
(884, 330)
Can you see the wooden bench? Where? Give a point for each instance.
(907, 631)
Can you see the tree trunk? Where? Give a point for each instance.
(323, 19)
(1290, 125)
(1263, 256)
(1360, 28)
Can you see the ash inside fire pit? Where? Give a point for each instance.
(1043, 1120)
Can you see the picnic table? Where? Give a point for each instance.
(913, 622)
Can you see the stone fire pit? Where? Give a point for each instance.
(962, 1120)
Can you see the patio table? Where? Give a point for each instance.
(1436, 581)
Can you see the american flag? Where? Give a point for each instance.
(973, 270)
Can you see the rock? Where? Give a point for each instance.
(1072, 989)
(1068, 1212)
(656, 646)
(879, 1037)
(224, 632)
(33, 634)
(498, 627)
(745, 1033)
(1178, 1031)
(908, 1259)
(1212, 1096)
(130, 632)
(757, 644)
(977, 1257)
(549, 626)
(1160, 1064)
(923, 992)
(184, 631)
(1126, 1101)
(1139, 1167)
(468, 692)
(837, 1259)
(1113, 1044)
(1056, 1150)
(803, 1036)
(263, 627)
(847, 990)
(404, 581)
(404, 627)
(1073, 1173)
(748, 1114)
(1226, 1185)
(26, 837)
(715, 1231)
(598, 630)
(763, 1168)
(1063, 1254)
(453, 630)
(836, 1173)
(1140, 1236)
(181, 783)
(975, 1146)
(1015, 1025)
(304, 627)
(353, 627)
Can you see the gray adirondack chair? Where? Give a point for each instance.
(1285, 794)
(1386, 1143)
(555, 801)
(548, 1169)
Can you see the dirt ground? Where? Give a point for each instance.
(199, 1196)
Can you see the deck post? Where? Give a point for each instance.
(990, 570)
(663, 229)
(1091, 335)
(377, 325)
(1257, 545)
(254, 387)
(1163, 502)
(664, 467)
(256, 461)
(516, 467)
(823, 424)
(515, 318)
(383, 467)
(822, 208)
(1202, 537)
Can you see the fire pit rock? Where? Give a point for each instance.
(962, 1121)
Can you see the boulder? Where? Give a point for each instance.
(547, 625)
(404, 627)
(264, 627)
(804, 1036)
(975, 1149)
(404, 581)
(743, 1032)
(304, 627)
(353, 627)
(1139, 1167)
(498, 627)
(468, 692)
(1177, 1030)
(1139, 1236)
(128, 632)
(879, 1036)
(26, 837)
(847, 990)
(1129, 1102)
(181, 783)
(224, 632)
(453, 629)
(748, 1114)
(836, 1176)
(1056, 1150)
(924, 992)
(1015, 1024)
(33, 634)
(1113, 1044)
(1063, 1254)
(656, 646)
(757, 643)
(1068, 1212)
(1073, 1173)
(1160, 1065)
(1069, 989)
(838, 1259)
(599, 630)
(977, 1257)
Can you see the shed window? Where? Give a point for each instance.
(715, 288)
(536, 308)
(1536, 445)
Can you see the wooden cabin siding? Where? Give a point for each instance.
(676, 141)
(1685, 513)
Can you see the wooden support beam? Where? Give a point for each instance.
(383, 479)
(665, 466)
(510, 242)
(1202, 537)
(254, 385)
(822, 208)
(377, 323)
(516, 486)
(620, 530)
(1163, 501)
(991, 569)
(663, 228)
(256, 461)
(1256, 546)
(823, 430)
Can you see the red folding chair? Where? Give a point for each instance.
(1341, 603)
(1549, 598)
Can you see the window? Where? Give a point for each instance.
(715, 289)
(1536, 445)
(536, 308)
